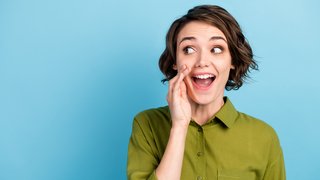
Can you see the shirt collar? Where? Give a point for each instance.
(227, 114)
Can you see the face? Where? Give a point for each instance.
(204, 49)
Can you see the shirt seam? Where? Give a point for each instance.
(278, 156)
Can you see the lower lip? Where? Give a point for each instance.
(200, 87)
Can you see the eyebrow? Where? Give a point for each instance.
(217, 38)
(212, 38)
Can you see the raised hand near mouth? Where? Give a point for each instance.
(180, 110)
(177, 98)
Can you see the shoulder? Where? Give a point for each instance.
(153, 117)
(256, 126)
(261, 133)
(262, 136)
(153, 114)
(153, 125)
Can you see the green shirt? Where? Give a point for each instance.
(230, 146)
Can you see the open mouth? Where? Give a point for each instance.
(203, 81)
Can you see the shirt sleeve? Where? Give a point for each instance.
(141, 162)
(275, 168)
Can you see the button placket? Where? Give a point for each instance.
(200, 155)
(200, 148)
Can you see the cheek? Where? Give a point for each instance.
(185, 60)
(225, 72)
(223, 64)
(225, 67)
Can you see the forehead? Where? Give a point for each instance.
(199, 29)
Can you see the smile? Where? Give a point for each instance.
(203, 81)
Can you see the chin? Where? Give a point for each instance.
(201, 99)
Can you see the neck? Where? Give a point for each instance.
(202, 113)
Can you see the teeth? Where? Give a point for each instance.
(204, 76)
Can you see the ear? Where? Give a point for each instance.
(174, 66)
(232, 67)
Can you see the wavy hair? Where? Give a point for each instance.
(240, 50)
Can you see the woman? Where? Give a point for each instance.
(200, 135)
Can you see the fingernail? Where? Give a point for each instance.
(186, 68)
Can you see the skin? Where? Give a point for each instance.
(201, 49)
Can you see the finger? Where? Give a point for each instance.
(172, 83)
(170, 87)
(184, 71)
(183, 90)
(175, 83)
(178, 90)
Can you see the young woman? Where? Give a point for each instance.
(200, 134)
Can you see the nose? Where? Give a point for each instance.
(203, 60)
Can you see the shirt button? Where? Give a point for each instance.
(199, 154)
(199, 178)
(199, 129)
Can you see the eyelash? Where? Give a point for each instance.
(219, 47)
(185, 49)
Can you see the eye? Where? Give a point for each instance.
(216, 50)
(188, 50)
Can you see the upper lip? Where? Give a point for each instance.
(203, 75)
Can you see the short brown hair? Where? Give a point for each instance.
(240, 50)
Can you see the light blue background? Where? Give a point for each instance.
(74, 73)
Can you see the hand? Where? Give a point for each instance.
(179, 105)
